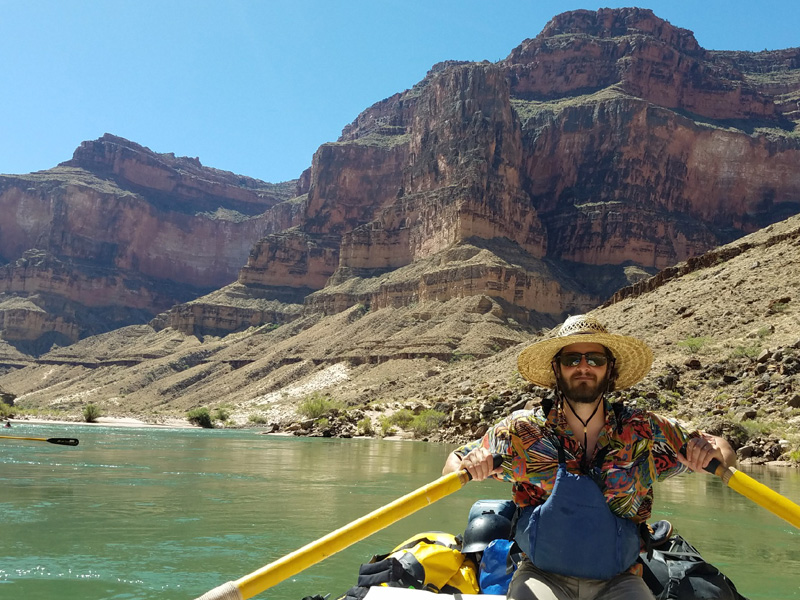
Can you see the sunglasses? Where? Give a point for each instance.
(573, 359)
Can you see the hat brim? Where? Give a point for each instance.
(633, 357)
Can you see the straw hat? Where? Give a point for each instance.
(633, 357)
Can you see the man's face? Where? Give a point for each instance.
(582, 382)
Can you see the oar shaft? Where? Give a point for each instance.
(757, 492)
(764, 496)
(310, 554)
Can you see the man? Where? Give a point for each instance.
(583, 471)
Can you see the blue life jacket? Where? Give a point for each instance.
(575, 533)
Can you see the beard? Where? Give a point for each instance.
(583, 391)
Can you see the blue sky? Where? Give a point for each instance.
(255, 86)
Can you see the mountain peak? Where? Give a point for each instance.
(619, 22)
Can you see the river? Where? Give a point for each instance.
(145, 513)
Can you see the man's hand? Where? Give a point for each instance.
(480, 464)
(700, 451)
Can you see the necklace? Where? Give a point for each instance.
(584, 460)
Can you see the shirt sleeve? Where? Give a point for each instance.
(497, 440)
(462, 451)
(668, 438)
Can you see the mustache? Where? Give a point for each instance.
(577, 377)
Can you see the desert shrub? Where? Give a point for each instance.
(427, 421)
(323, 422)
(364, 427)
(458, 356)
(386, 426)
(221, 413)
(200, 417)
(764, 332)
(779, 306)
(316, 406)
(759, 426)
(257, 419)
(693, 344)
(749, 351)
(91, 413)
(402, 418)
(6, 411)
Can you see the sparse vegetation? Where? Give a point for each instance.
(316, 406)
(457, 356)
(779, 307)
(222, 413)
(426, 422)
(760, 426)
(364, 427)
(693, 345)
(257, 419)
(402, 418)
(749, 351)
(200, 417)
(91, 413)
(6, 411)
(764, 332)
(386, 426)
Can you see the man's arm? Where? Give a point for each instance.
(452, 464)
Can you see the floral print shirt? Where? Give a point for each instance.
(635, 448)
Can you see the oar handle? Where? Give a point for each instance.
(711, 467)
(497, 462)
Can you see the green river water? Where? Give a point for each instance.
(140, 514)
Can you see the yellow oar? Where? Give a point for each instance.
(757, 492)
(60, 441)
(310, 554)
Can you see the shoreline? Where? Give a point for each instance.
(106, 422)
(176, 423)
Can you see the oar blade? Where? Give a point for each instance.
(63, 441)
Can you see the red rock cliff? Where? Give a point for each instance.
(118, 213)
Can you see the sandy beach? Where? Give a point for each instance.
(169, 423)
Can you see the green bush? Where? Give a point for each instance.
(257, 419)
(316, 406)
(751, 351)
(693, 344)
(91, 413)
(222, 413)
(6, 411)
(386, 426)
(323, 423)
(200, 417)
(364, 427)
(402, 418)
(426, 422)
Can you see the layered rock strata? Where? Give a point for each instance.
(612, 140)
(122, 228)
(610, 144)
